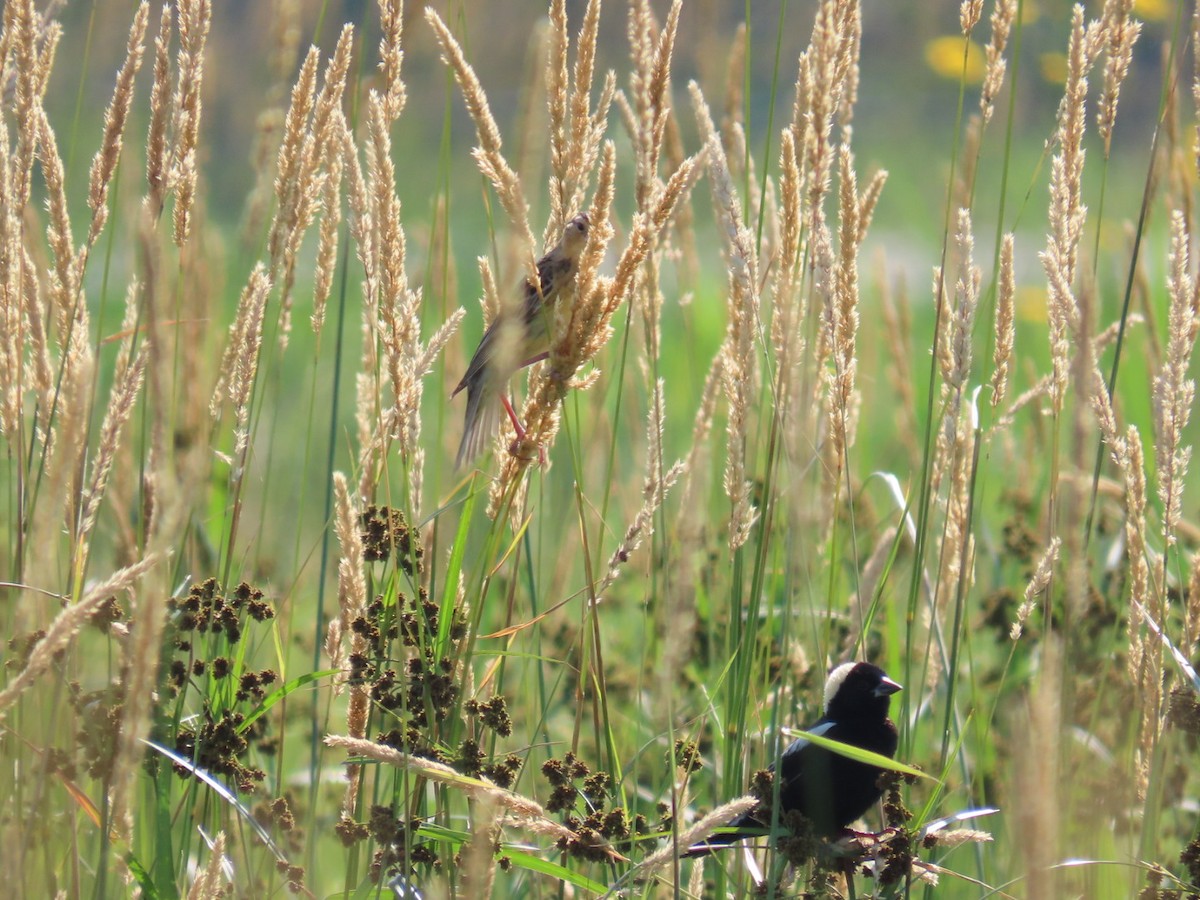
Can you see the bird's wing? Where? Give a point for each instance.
(792, 761)
(820, 729)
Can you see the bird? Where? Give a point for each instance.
(517, 337)
(829, 789)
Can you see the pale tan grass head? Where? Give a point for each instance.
(1042, 573)
(655, 485)
(104, 164)
(58, 229)
(1141, 651)
(488, 154)
(121, 401)
(1004, 13)
(556, 77)
(160, 112)
(327, 235)
(391, 57)
(1192, 612)
(21, 36)
(703, 828)
(1037, 777)
(194, 19)
(1173, 391)
(141, 664)
(210, 881)
(1002, 354)
(969, 14)
(290, 156)
(1121, 33)
(67, 624)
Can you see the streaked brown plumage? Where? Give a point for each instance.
(516, 338)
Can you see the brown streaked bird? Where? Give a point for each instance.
(517, 337)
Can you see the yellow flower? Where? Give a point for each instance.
(1054, 67)
(1152, 10)
(945, 56)
(1031, 304)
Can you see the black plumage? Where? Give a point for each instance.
(829, 789)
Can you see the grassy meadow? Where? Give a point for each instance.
(880, 347)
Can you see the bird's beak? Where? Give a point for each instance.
(887, 687)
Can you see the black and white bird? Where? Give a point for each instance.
(831, 790)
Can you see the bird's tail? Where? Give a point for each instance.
(480, 425)
(742, 827)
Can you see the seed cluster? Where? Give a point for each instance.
(601, 828)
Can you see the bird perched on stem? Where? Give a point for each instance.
(829, 789)
(517, 337)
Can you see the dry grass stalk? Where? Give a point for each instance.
(1037, 585)
(352, 585)
(68, 443)
(160, 111)
(854, 213)
(969, 14)
(738, 365)
(479, 853)
(897, 318)
(141, 668)
(704, 828)
(735, 79)
(1192, 613)
(121, 401)
(825, 81)
(68, 311)
(285, 44)
(576, 130)
(310, 167)
(657, 483)
(290, 158)
(1144, 673)
(1196, 74)
(104, 165)
(21, 38)
(391, 57)
(1173, 392)
(1002, 355)
(391, 309)
(556, 76)
(66, 626)
(1067, 212)
(327, 235)
(488, 154)
(587, 125)
(352, 605)
(647, 109)
(1037, 782)
(12, 333)
(955, 346)
(27, 294)
(195, 16)
(789, 302)
(210, 882)
(1121, 33)
(239, 364)
(1003, 15)
(528, 813)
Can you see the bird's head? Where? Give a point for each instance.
(858, 690)
(575, 235)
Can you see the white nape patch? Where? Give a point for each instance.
(800, 743)
(834, 682)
